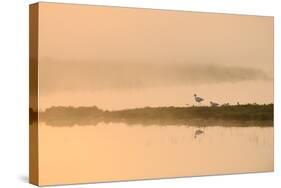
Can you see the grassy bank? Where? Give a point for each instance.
(236, 115)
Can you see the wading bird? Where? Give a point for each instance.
(226, 104)
(213, 104)
(198, 99)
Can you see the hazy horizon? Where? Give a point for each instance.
(117, 58)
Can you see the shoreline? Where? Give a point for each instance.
(232, 116)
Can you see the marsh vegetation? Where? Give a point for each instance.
(233, 115)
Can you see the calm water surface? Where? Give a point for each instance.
(116, 151)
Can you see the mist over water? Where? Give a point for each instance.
(93, 76)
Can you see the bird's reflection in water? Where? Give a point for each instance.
(198, 132)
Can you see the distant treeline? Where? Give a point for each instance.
(233, 115)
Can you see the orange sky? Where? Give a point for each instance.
(122, 58)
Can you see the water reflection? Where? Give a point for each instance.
(192, 122)
(198, 132)
(116, 151)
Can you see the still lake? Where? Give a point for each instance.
(116, 151)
